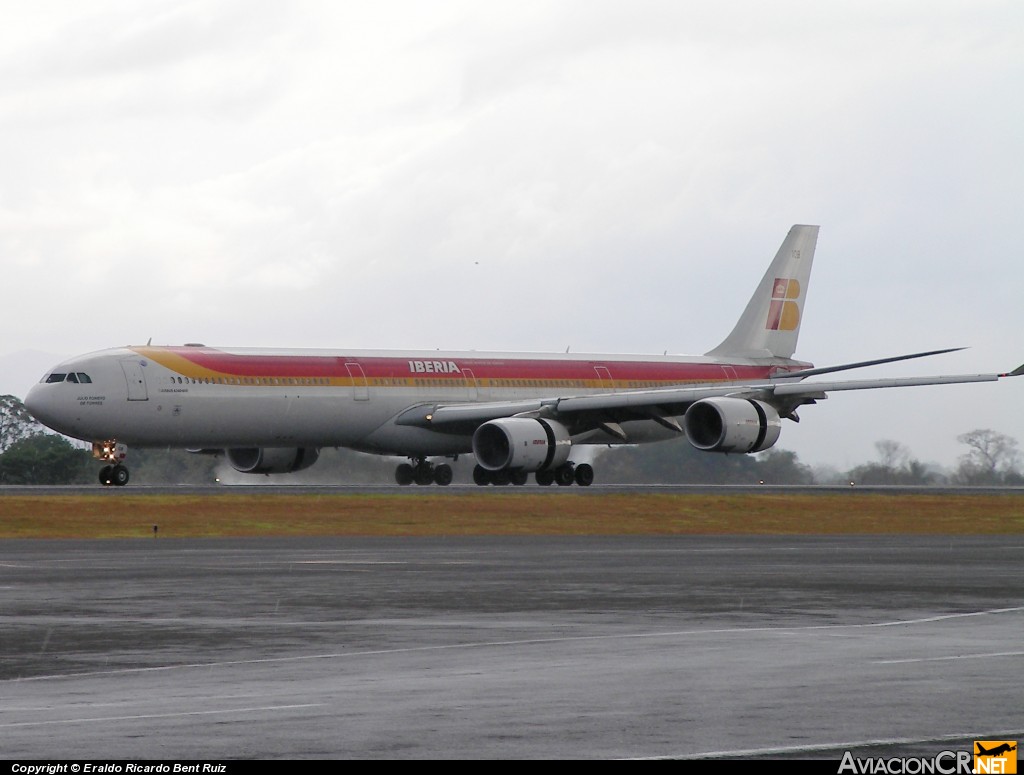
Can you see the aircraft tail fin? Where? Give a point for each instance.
(770, 325)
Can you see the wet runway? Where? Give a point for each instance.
(511, 647)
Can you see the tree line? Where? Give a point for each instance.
(30, 454)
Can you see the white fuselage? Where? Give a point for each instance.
(199, 397)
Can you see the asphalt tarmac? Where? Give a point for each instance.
(614, 647)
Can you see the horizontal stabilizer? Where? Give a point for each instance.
(1016, 372)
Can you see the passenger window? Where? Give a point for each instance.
(55, 378)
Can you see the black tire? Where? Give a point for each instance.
(443, 475)
(424, 474)
(481, 476)
(564, 476)
(545, 478)
(107, 476)
(518, 477)
(584, 474)
(500, 478)
(119, 476)
(404, 474)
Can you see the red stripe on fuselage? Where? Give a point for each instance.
(452, 367)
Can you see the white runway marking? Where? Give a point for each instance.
(145, 716)
(993, 655)
(943, 617)
(530, 642)
(844, 745)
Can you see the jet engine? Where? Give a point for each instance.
(731, 425)
(521, 442)
(271, 460)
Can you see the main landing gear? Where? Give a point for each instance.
(423, 473)
(564, 475)
(112, 453)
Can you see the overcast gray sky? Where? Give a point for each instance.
(609, 176)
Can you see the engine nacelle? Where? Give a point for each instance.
(271, 460)
(521, 442)
(732, 425)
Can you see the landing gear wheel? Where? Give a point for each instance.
(481, 476)
(500, 478)
(404, 474)
(443, 474)
(518, 477)
(545, 478)
(564, 475)
(424, 474)
(107, 476)
(584, 474)
(119, 475)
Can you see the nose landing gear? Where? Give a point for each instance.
(111, 452)
(116, 475)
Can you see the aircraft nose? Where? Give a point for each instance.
(32, 400)
(39, 404)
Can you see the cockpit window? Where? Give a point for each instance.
(74, 376)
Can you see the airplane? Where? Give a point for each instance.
(272, 411)
(997, 751)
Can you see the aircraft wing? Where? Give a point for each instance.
(591, 411)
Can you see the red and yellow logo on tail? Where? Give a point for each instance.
(784, 314)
